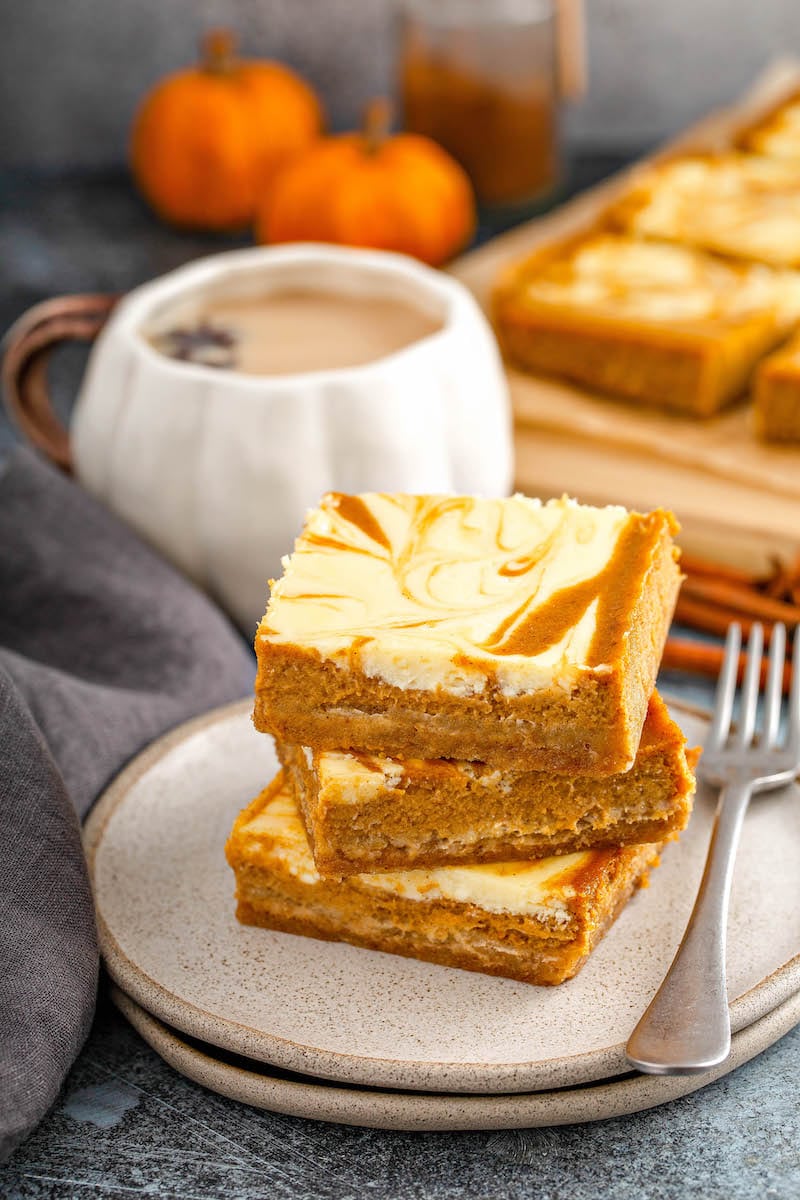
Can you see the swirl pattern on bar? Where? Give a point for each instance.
(654, 281)
(440, 591)
(736, 204)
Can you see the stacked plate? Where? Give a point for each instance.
(323, 1030)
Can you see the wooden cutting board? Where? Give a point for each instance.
(737, 498)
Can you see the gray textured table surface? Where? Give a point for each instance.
(126, 1123)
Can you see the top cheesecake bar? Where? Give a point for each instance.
(510, 631)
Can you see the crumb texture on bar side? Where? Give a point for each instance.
(372, 813)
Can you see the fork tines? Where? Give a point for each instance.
(773, 676)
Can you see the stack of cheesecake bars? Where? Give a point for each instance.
(477, 770)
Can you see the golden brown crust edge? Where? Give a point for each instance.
(648, 626)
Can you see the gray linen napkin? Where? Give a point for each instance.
(103, 646)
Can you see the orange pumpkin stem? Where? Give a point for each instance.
(218, 51)
(377, 123)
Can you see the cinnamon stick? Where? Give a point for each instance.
(738, 599)
(699, 614)
(784, 580)
(700, 658)
(714, 595)
(703, 566)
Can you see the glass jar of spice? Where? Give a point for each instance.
(481, 78)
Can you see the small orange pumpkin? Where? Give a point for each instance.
(401, 192)
(206, 141)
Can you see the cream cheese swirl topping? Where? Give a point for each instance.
(736, 204)
(446, 592)
(656, 281)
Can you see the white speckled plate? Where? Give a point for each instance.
(164, 896)
(300, 1096)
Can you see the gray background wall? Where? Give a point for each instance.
(71, 71)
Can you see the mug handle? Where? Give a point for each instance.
(26, 349)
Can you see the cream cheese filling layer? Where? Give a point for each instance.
(654, 281)
(424, 587)
(353, 780)
(739, 204)
(539, 889)
(357, 779)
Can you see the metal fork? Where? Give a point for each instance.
(687, 1027)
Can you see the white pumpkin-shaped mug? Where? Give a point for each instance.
(217, 468)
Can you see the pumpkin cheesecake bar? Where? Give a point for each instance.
(776, 395)
(665, 325)
(533, 921)
(517, 633)
(776, 134)
(370, 813)
(737, 204)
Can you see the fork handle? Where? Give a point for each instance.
(687, 1028)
